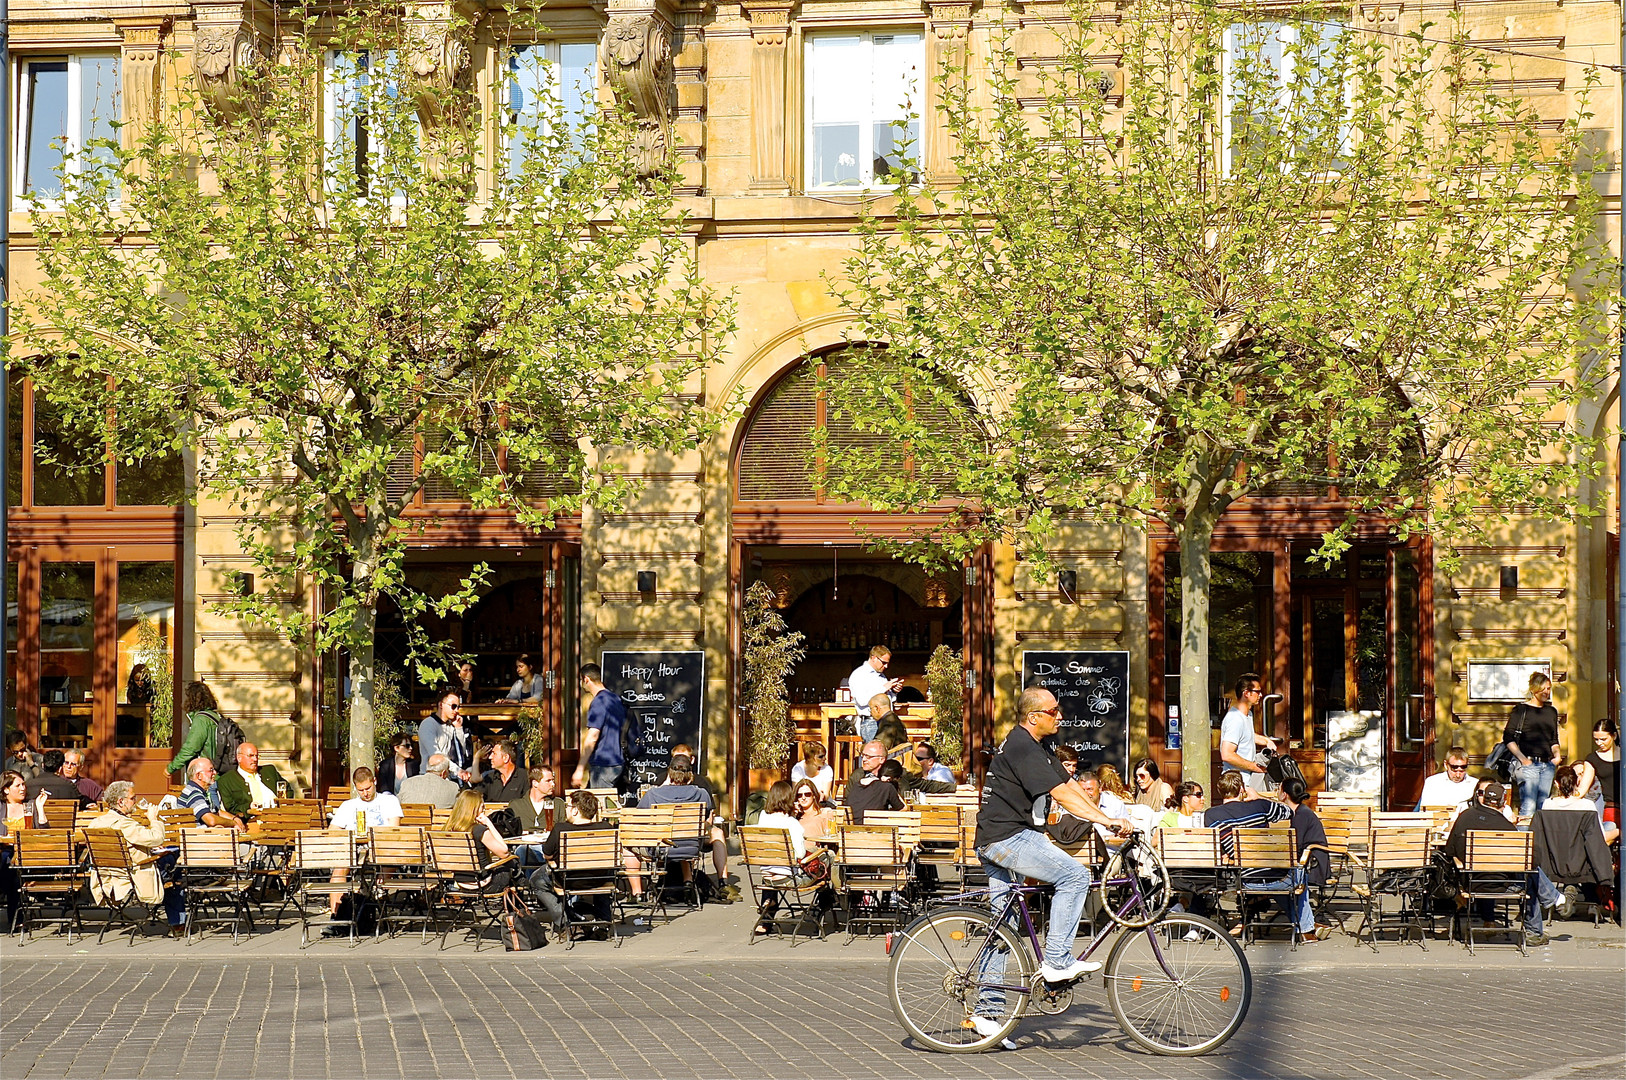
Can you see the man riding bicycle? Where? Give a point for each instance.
(1023, 780)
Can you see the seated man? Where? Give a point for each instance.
(1452, 786)
(431, 787)
(504, 782)
(725, 892)
(930, 767)
(251, 787)
(538, 812)
(581, 815)
(878, 790)
(73, 767)
(53, 783)
(679, 788)
(200, 797)
(377, 809)
(1241, 807)
(148, 882)
(1486, 813)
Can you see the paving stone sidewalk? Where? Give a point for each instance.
(693, 1001)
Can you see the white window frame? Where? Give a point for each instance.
(21, 131)
(332, 127)
(1287, 31)
(867, 180)
(553, 58)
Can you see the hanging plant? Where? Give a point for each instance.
(945, 679)
(772, 651)
(532, 737)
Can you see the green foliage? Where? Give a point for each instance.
(945, 685)
(1384, 279)
(772, 651)
(532, 734)
(313, 319)
(391, 715)
(152, 649)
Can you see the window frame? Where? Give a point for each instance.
(867, 181)
(73, 150)
(553, 57)
(1286, 79)
(331, 126)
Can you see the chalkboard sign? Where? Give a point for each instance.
(663, 690)
(1092, 689)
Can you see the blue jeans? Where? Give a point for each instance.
(1539, 892)
(1535, 782)
(603, 776)
(174, 895)
(1031, 854)
(1295, 905)
(866, 726)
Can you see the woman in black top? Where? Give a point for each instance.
(1531, 736)
(1603, 767)
(400, 763)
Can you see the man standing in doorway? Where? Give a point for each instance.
(1239, 743)
(601, 762)
(865, 682)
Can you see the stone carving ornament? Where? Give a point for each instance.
(636, 55)
(224, 55)
(438, 58)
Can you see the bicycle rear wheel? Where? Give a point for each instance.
(1197, 1009)
(946, 968)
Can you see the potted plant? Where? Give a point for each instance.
(945, 680)
(772, 651)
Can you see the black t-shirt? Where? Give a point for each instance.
(580, 880)
(1608, 777)
(1022, 771)
(1539, 733)
(494, 790)
(1475, 817)
(872, 793)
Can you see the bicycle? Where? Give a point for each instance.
(1178, 983)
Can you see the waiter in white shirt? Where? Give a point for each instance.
(865, 682)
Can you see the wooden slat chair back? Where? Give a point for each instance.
(1402, 819)
(689, 823)
(769, 859)
(324, 865)
(113, 866)
(647, 834)
(1265, 857)
(314, 810)
(1397, 863)
(457, 865)
(1495, 870)
(587, 866)
(50, 876)
(217, 878)
(492, 807)
(1195, 861)
(174, 821)
(907, 822)
(61, 814)
(417, 815)
(871, 873)
(399, 858)
(442, 815)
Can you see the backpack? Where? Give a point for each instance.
(1282, 768)
(228, 737)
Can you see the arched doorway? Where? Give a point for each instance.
(827, 578)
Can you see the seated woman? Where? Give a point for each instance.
(1184, 808)
(1570, 849)
(780, 813)
(815, 818)
(1117, 800)
(148, 882)
(17, 811)
(1602, 767)
(466, 816)
(1151, 790)
(814, 767)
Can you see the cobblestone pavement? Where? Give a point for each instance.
(690, 1000)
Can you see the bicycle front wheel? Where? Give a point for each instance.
(1180, 986)
(950, 965)
(1138, 861)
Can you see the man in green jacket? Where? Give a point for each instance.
(251, 787)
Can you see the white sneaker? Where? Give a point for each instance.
(1193, 934)
(1076, 970)
(988, 1027)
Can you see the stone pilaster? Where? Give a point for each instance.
(949, 47)
(635, 54)
(770, 29)
(140, 73)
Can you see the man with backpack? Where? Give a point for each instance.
(604, 755)
(210, 733)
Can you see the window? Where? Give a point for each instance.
(551, 82)
(356, 139)
(863, 100)
(1279, 77)
(65, 467)
(64, 108)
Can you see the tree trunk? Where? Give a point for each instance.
(1196, 757)
(363, 626)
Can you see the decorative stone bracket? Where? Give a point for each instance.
(438, 60)
(229, 42)
(770, 28)
(635, 54)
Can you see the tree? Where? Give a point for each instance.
(1284, 251)
(312, 275)
(771, 652)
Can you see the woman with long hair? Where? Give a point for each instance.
(1602, 767)
(203, 718)
(467, 816)
(1151, 790)
(807, 806)
(780, 813)
(400, 761)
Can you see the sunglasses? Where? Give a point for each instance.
(1456, 768)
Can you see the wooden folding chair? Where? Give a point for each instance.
(112, 865)
(461, 883)
(689, 822)
(1268, 865)
(646, 835)
(871, 872)
(401, 875)
(1397, 863)
(586, 868)
(939, 847)
(417, 815)
(1195, 862)
(61, 814)
(50, 876)
(217, 880)
(325, 865)
(1496, 870)
(770, 864)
